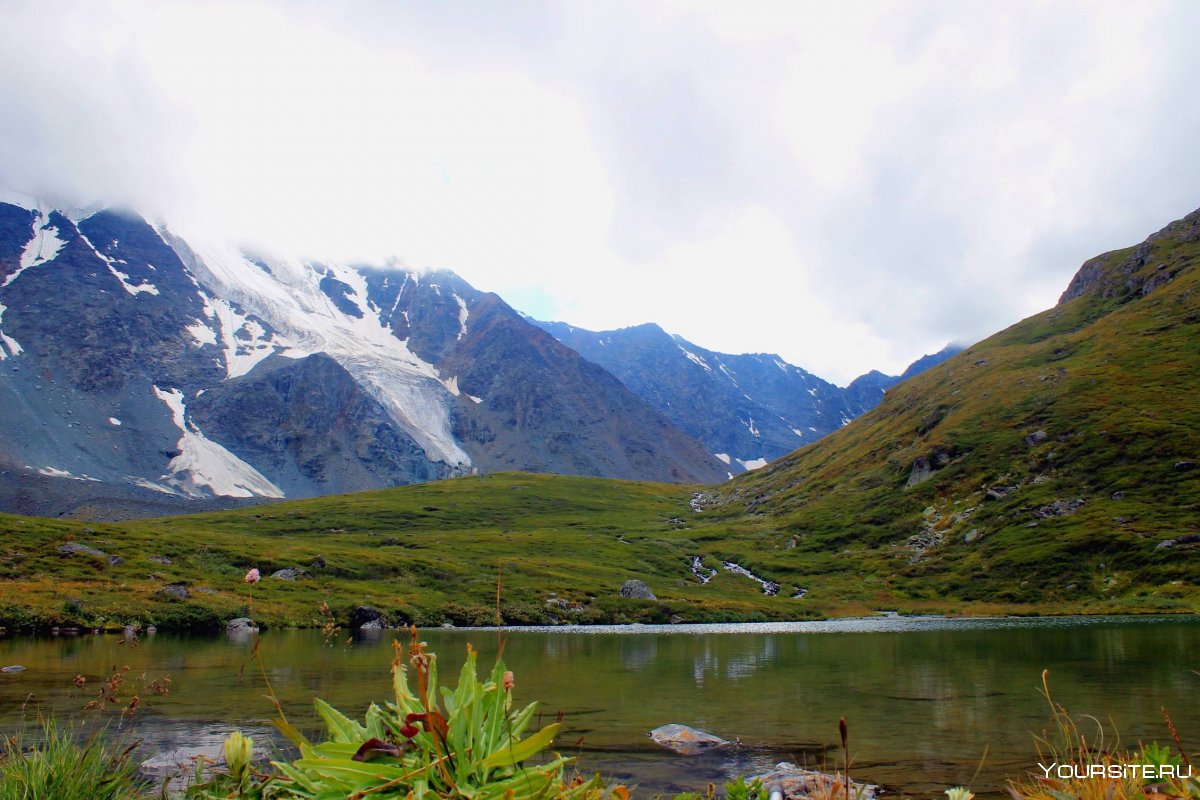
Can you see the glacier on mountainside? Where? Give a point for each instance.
(204, 464)
(286, 294)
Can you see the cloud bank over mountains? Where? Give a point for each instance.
(848, 187)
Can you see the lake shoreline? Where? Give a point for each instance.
(882, 622)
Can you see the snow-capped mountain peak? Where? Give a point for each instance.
(239, 374)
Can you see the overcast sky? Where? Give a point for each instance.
(849, 185)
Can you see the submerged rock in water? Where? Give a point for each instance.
(181, 759)
(177, 767)
(241, 625)
(800, 784)
(686, 740)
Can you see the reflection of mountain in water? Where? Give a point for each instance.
(736, 667)
(638, 652)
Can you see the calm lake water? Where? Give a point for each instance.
(925, 698)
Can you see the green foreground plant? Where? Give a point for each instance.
(56, 766)
(466, 742)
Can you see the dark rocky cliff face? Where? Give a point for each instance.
(109, 309)
(308, 425)
(524, 401)
(545, 408)
(1135, 271)
(98, 313)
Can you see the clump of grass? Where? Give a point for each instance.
(57, 766)
(1074, 766)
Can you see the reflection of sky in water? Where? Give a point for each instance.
(703, 663)
(553, 647)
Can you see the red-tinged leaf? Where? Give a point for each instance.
(376, 748)
(432, 722)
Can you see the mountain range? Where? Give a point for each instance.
(747, 409)
(145, 373)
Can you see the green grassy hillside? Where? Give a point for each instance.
(1048, 469)
(1047, 464)
(426, 553)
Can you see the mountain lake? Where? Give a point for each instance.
(930, 702)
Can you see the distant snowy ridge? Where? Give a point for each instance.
(748, 409)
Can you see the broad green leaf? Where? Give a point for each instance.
(352, 770)
(374, 720)
(333, 750)
(341, 728)
(523, 749)
(406, 701)
(431, 695)
(296, 775)
(521, 720)
(494, 734)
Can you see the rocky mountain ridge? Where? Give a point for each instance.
(143, 370)
(747, 409)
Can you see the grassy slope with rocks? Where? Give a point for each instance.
(1110, 378)
(426, 553)
(1054, 463)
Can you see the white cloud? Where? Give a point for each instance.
(847, 185)
(744, 279)
(336, 148)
